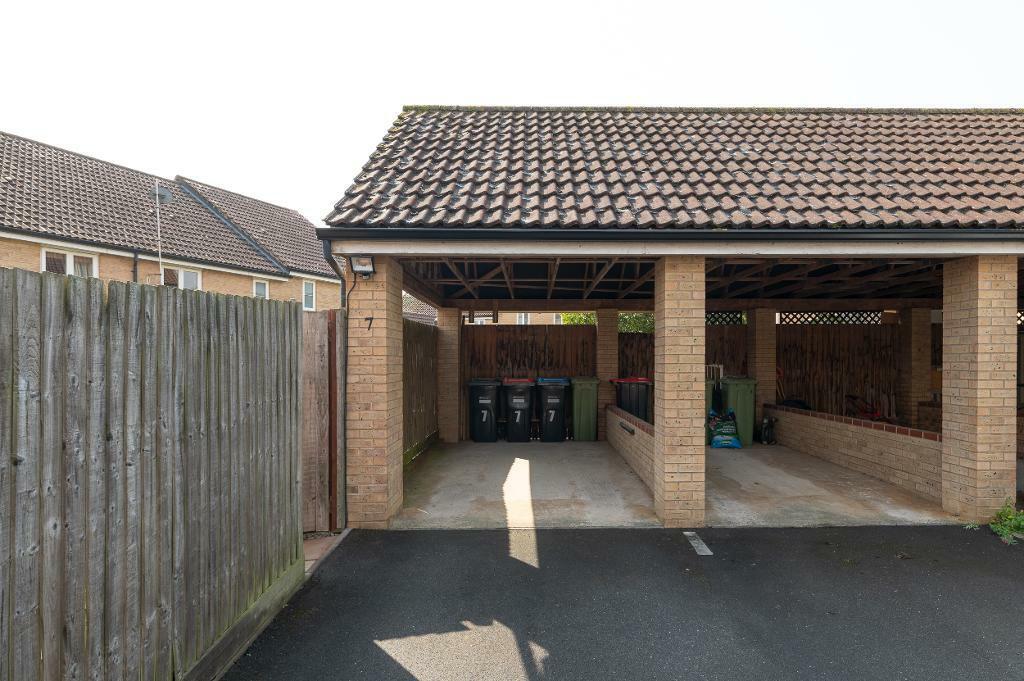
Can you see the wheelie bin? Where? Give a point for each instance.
(518, 408)
(633, 396)
(739, 396)
(584, 408)
(483, 409)
(553, 395)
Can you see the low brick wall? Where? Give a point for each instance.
(636, 447)
(906, 457)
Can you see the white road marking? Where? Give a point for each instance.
(698, 544)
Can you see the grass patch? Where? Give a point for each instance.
(1008, 523)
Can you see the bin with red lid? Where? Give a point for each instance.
(633, 395)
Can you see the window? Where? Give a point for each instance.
(556, 318)
(62, 262)
(261, 289)
(481, 319)
(523, 318)
(182, 278)
(309, 296)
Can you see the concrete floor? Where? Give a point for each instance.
(762, 486)
(587, 484)
(524, 485)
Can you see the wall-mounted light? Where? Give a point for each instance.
(362, 265)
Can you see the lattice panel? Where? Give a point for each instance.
(831, 318)
(724, 318)
(1020, 317)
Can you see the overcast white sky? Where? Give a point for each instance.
(285, 101)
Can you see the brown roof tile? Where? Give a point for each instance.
(680, 168)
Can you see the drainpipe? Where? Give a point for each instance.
(135, 266)
(342, 374)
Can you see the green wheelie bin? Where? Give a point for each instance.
(739, 396)
(584, 408)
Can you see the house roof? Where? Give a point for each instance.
(687, 169)
(55, 193)
(415, 309)
(282, 232)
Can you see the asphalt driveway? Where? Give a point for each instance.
(837, 603)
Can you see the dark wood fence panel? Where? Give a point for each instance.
(636, 354)
(419, 381)
(725, 344)
(150, 483)
(316, 442)
(822, 364)
(500, 350)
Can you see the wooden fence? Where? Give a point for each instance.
(822, 364)
(149, 477)
(725, 344)
(419, 381)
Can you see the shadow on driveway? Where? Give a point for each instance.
(835, 603)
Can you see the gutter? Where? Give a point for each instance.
(667, 235)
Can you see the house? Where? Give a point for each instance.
(73, 214)
(778, 220)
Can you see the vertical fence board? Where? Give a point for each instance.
(247, 496)
(133, 482)
(168, 437)
(114, 586)
(25, 622)
(178, 510)
(50, 487)
(7, 384)
(314, 422)
(75, 470)
(147, 501)
(96, 496)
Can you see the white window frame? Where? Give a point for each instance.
(313, 284)
(266, 284)
(522, 318)
(69, 260)
(556, 318)
(181, 279)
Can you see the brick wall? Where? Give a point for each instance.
(636, 447)
(607, 364)
(761, 362)
(979, 384)
(906, 457)
(914, 364)
(449, 385)
(679, 391)
(374, 398)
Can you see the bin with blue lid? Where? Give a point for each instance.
(553, 394)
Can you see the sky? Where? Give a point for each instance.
(286, 101)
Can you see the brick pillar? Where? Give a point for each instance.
(607, 363)
(679, 391)
(449, 329)
(374, 397)
(979, 384)
(915, 364)
(761, 364)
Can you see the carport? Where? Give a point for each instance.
(853, 287)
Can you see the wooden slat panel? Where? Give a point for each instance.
(52, 372)
(114, 583)
(25, 624)
(133, 480)
(419, 376)
(167, 438)
(315, 424)
(7, 342)
(148, 558)
(96, 457)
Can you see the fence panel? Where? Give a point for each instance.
(315, 422)
(419, 381)
(149, 488)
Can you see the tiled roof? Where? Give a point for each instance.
(415, 309)
(283, 232)
(59, 194)
(685, 169)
